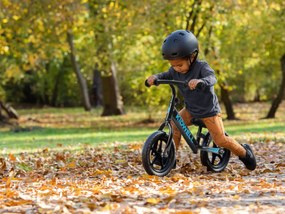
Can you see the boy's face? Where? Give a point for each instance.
(180, 65)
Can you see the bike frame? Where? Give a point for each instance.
(173, 114)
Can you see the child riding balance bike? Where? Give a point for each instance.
(195, 80)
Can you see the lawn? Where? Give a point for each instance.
(71, 161)
(72, 128)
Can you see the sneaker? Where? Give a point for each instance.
(249, 159)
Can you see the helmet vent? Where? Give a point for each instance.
(182, 34)
(174, 54)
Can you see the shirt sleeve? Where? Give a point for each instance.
(208, 75)
(165, 75)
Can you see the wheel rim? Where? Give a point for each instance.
(216, 161)
(156, 160)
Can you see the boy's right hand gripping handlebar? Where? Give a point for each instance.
(146, 83)
(200, 85)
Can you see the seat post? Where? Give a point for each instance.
(198, 136)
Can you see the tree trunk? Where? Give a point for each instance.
(97, 97)
(81, 80)
(113, 104)
(10, 111)
(56, 88)
(225, 97)
(276, 102)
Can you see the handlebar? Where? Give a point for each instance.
(200, 85)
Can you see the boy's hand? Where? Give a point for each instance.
(151, 80)
(193, 83)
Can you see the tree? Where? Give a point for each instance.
(202, 17)
(9, 110)
(70, 21)
(122, 39)
(35, 38)
(81, 80)
(276, 102)
(275, 26)
(106, 30)
(151, 22)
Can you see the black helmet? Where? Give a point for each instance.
(179, 44)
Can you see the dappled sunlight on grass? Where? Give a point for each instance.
(78, 118)
(258, 110)
(73, 127)
(52, 138)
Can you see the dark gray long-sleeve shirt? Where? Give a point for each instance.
(199, 103)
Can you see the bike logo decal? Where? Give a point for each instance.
(184, 127)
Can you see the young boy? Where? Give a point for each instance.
(180, 48)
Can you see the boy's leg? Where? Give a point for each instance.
(186, 116)
(216, 128)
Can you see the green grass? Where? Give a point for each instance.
(72, 128)
(261, 127)
(73, 138)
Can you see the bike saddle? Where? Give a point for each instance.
(198, 122)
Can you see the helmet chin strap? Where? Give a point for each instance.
(195, 56)
(191, 60)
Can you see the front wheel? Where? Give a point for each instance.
(154, 162)
(214, 162)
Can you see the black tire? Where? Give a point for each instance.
(214, 162)
(153, 162)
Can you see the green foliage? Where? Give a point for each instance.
(35, 48)
(250, 44)
(143, 64)
(243, 40)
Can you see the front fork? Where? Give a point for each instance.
(170, 137)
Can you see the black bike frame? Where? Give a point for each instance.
(172, 114)
(185, 132)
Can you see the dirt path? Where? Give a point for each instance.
(115, 182)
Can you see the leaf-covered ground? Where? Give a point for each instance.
(113, 181)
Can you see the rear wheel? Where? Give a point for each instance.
(153, 160)
(214, 162)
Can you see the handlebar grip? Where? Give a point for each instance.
(155, 82)
(201, 86)
(146, 83)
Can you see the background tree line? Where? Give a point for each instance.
(99, 52)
